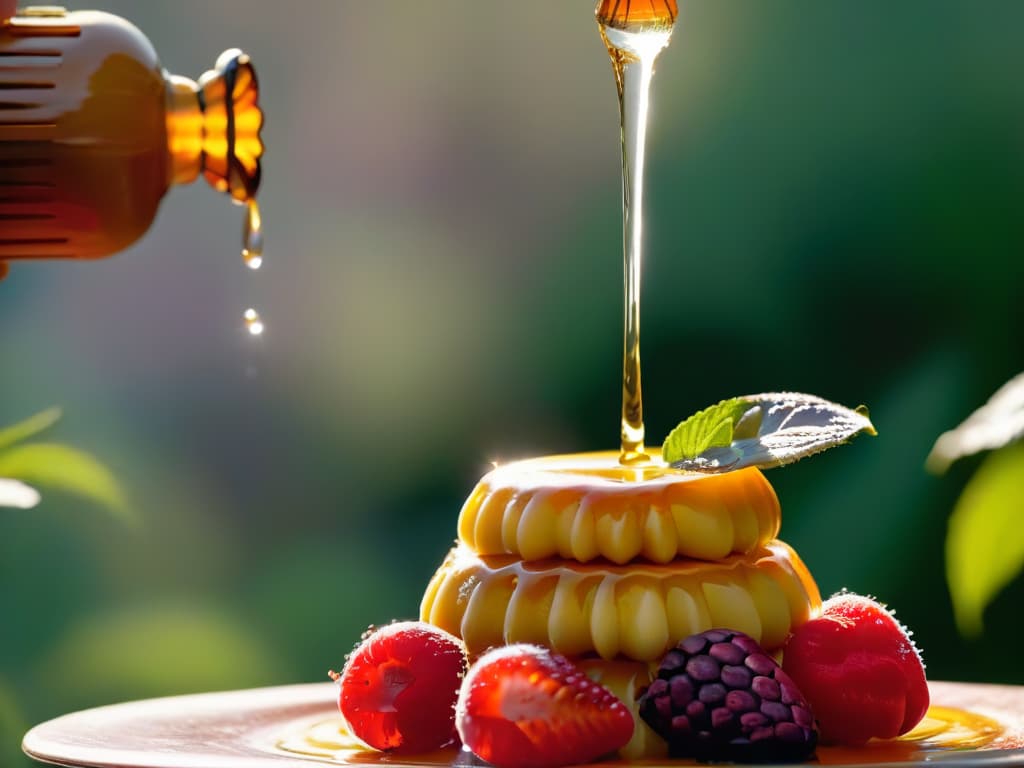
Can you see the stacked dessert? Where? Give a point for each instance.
(613, 565)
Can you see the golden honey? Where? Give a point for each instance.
(943, 730)
(625, 14)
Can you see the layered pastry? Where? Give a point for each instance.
(613, 565)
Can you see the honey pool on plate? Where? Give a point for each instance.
(943, 730)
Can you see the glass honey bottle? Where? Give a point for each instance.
(93, 133)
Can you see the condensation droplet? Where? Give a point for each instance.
(253, 323)
(252, 237)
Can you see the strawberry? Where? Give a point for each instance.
(859, 670)
(524, 706)
(398, 688)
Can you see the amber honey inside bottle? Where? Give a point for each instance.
(637, 13)
(93, 133)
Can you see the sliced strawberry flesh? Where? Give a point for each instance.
(523, 706)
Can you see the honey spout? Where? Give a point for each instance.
(213, 127)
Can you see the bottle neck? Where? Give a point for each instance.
(184, 130)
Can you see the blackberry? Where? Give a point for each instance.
(719, 696)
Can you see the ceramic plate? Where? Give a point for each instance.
(297, 726)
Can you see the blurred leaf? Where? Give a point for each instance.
(772, 430)
(61, 467)
(997, 423)
(157, 650)
(31, 426)
(16, 494)
(984, 545)
(12, 727)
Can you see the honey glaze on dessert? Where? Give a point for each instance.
(944, 729)
(585, 506)
(636, 611)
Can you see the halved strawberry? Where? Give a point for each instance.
(524, 706)
(859, 669)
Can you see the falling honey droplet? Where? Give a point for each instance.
(253, 323)
(3, 269)
(252, 236)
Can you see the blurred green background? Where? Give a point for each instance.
(836, 198)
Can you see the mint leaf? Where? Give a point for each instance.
(30, 427)
(711, 428)
(997, 423)
(767, 430)
(984, 548)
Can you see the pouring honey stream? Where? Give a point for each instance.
(635, 33)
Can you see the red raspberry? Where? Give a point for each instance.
(860, 671)
(399, 687)
(523, 706)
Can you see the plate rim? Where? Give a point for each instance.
(277, 709)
